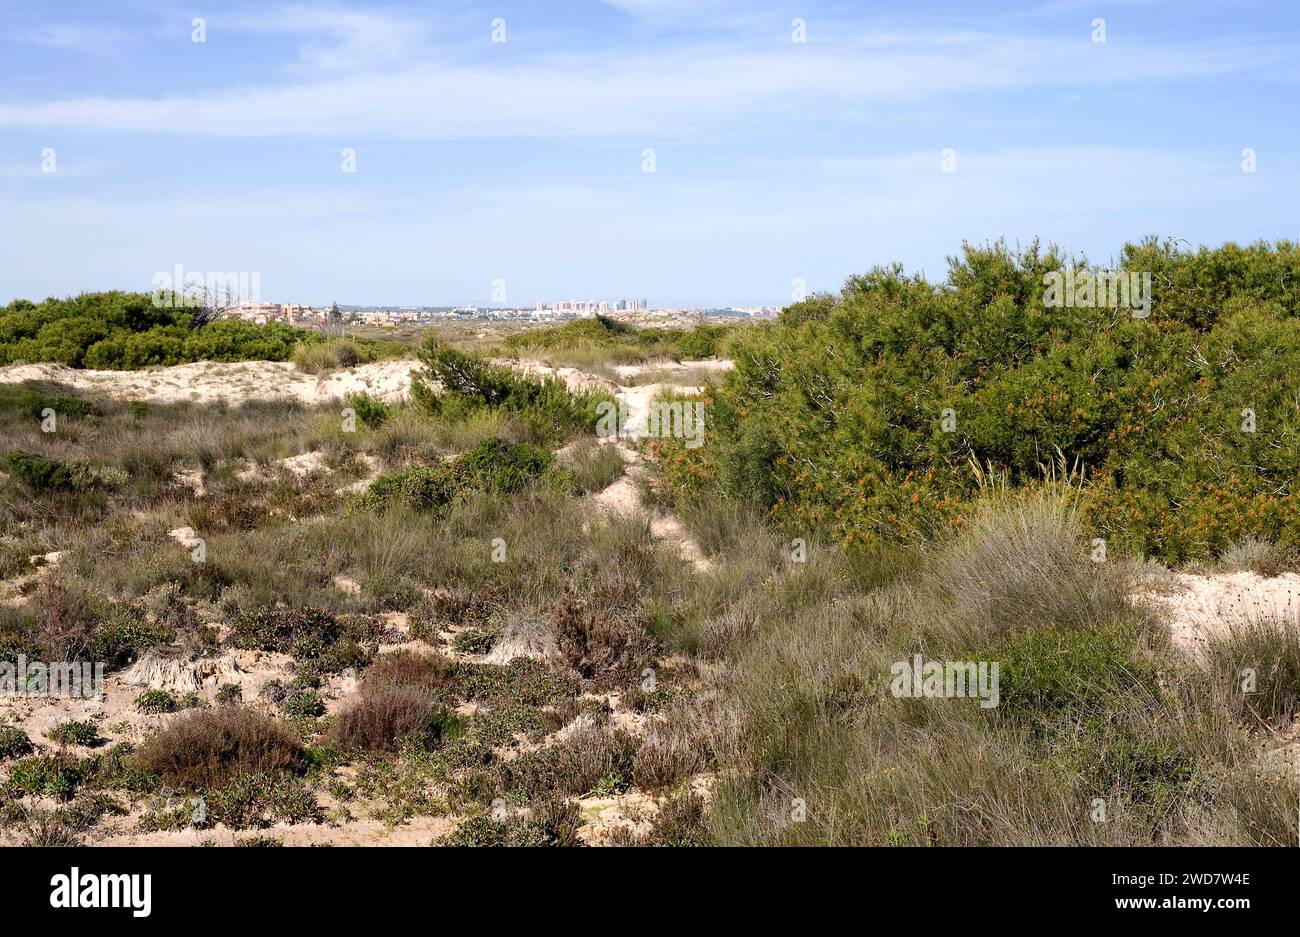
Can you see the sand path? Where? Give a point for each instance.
(623, 495)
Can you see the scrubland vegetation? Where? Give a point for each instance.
(127, 331)
(596, 343)
(318, 356)
(834, 418)
(437, 629)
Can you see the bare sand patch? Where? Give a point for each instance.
(305, 463)
(1200, 607)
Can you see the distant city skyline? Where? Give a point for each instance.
(696, 154)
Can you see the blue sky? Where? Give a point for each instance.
(522, 161)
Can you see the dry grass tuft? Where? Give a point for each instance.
(386, 718)
(1023, 563)
(406, 669)
(207, 747)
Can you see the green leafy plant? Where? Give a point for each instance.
(303, 704)
(494, 465)
(14, 742)
(41, 473)
(72, 732)
(126, 331)
(155, 701)
(469, 383)
(51, 775)
(371, 411)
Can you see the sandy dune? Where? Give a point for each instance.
(574, 378)
(210, 381)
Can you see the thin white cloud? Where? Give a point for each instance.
(789, 221)
(32, 170)
(335, 39)
(675, 8)
(643, 97)
(98, 40)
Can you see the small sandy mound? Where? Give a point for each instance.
(632, 812)
(621, 497)
(304, 464)
(185, 536)
(668, 527)
(178, 675)
(523, 636)
(346, 585)
(193, 480)
(1198, 607)
(683, 372)
(575, 379)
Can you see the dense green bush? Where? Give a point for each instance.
(469, 383)
(44, 474)
(317, 357)
(702, 341)
(72, 732)
(259, 800)
(371, 411)
(13, 742)
(155, 701)
(553, 822)
(303, 632)
(862, 416)
(52, 775)
(601, 330)
(303, 704)
(494, 465)
(127, 331)
(1051, 674)
(123, 637)
(29, 400)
